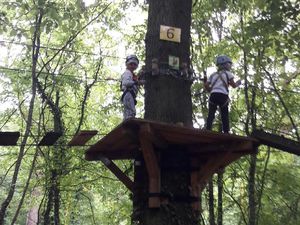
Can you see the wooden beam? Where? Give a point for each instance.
(277, 141)
(157, 140)
(151, 165)
(49, 139)
(82, 137)
(117, 172)
(9, 138)
(213, 164)
(246, 147)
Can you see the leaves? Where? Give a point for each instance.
(260, 36)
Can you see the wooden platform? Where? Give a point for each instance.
(49, 139)
(208, 151)
(9, 138)
(124, 143)
(82, 137)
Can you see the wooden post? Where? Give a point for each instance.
(117, 172)
(151, 165)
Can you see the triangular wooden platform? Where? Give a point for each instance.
(123, 142)
(208, 151)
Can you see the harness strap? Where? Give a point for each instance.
(222, 79)
(130, 91)
(132, 94)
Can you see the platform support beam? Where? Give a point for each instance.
(117, 172)
(213, 165)
(152, 166)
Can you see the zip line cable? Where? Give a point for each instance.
(93, 54)
(4, 42)
(72, 77)
(272, 89)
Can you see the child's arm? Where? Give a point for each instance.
(207, 86)
(234, 84)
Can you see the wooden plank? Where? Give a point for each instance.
(82, 137)
(49, 139)
(151, 165)
(213, 164)
(124, 140)
(125, 153)
(9, 138)
(277, 141)
(246, 147)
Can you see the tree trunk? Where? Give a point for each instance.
(32, 216)
(251, 191)
(211, 204)
(35, 53)
(167, 99)
(220, 198)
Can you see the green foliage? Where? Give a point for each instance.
(260, 36)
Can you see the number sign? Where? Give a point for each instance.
(170, 33)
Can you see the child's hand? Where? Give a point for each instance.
(238, 83)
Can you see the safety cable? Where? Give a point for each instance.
(3, 42)
(72, 77)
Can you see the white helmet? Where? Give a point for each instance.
(132, 59)
(222, 59)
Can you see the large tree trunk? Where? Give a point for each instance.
(167, 99)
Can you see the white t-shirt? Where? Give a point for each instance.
(218, 84)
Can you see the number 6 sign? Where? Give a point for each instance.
(170, 33)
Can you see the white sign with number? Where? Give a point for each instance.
(170, 33)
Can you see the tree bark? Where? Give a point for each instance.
(35, 53)
(220, 198)
(167, 99)
(211, 204)
(251, 191)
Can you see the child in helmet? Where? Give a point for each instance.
(130, 85)
(217, 85)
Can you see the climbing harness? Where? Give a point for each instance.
(222, 79)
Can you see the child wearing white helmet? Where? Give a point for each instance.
(130, 85)
(217, 85)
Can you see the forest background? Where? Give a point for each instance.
(59, 71)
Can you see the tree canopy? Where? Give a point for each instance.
(60, 64)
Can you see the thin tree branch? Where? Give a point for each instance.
(283, 103)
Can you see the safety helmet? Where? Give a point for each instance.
(132, 59)
(222, 59)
